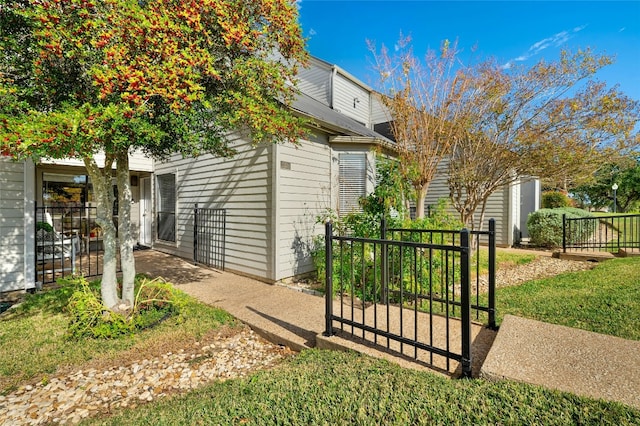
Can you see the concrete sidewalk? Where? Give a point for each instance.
(556, 357)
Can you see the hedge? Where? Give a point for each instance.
(545, 226)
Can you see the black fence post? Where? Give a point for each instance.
(223, 249)
(195, 233)
(492, 273)
(564, 233)
(465, 300)
(384, 261)
(328, 259)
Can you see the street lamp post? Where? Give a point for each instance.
(615, 188)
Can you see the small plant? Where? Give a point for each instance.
(155, 300)
(44, 226)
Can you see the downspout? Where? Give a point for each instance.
(29, 249)
(275, 213)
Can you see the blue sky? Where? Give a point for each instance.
(521, 31)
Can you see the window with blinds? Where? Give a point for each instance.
(166, 207)
(353, 181)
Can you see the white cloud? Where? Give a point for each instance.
(555, 40)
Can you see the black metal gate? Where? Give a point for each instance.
(413, 291)
(209, 234)
(68, 242)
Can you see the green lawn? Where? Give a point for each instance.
(322, 387)
(605, 299)
(33, 343)
(336, 388)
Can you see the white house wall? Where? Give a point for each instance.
(137, 162)
(240, 185)
(529, 202)
(315, 81)
(16, 224)
(304, 192)
(379, 113)
(351, 99)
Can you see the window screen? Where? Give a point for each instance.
(353, 182)
(166, 207)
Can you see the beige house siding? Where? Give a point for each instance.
(137, 162)
(16, 225)
(241, 186)
(497, 206)
(315, 81)
(351, 99)
(304, 192)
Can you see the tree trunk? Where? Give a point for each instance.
(103, 193)
(421, 195)
(125, 235)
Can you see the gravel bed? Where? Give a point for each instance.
(86, 393)
(540, 267)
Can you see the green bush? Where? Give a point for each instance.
(554, 200)
(154, 301)
(358, 267)
(545, 226)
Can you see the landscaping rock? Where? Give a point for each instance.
(74, 397)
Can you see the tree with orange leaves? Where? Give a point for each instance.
(78, 77)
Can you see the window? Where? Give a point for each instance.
(166, 207)
(60, 190)
(353, 182)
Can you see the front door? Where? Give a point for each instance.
(145, 212)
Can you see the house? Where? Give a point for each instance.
(54, 186)
(272, 194)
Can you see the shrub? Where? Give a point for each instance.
(356, 262)
(154, 301)
(545, 226)
(554, 200)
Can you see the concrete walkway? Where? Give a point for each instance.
(529, 351)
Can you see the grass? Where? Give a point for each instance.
(33, 343)
(627, 229)
(504, 260)
(322, 387)
(605, 299)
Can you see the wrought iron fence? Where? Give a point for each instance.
(482, 280)
(409, 289)
(68, 241)
(614, 233)
(209, 235)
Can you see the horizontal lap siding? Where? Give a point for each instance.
(315, 81)
(345, 93)
(239, 184)
(304, 193)
(12, 219)
(379, 113)
(497, 205)
(138, 161)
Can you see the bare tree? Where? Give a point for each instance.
(423, 100)
(533, 122)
